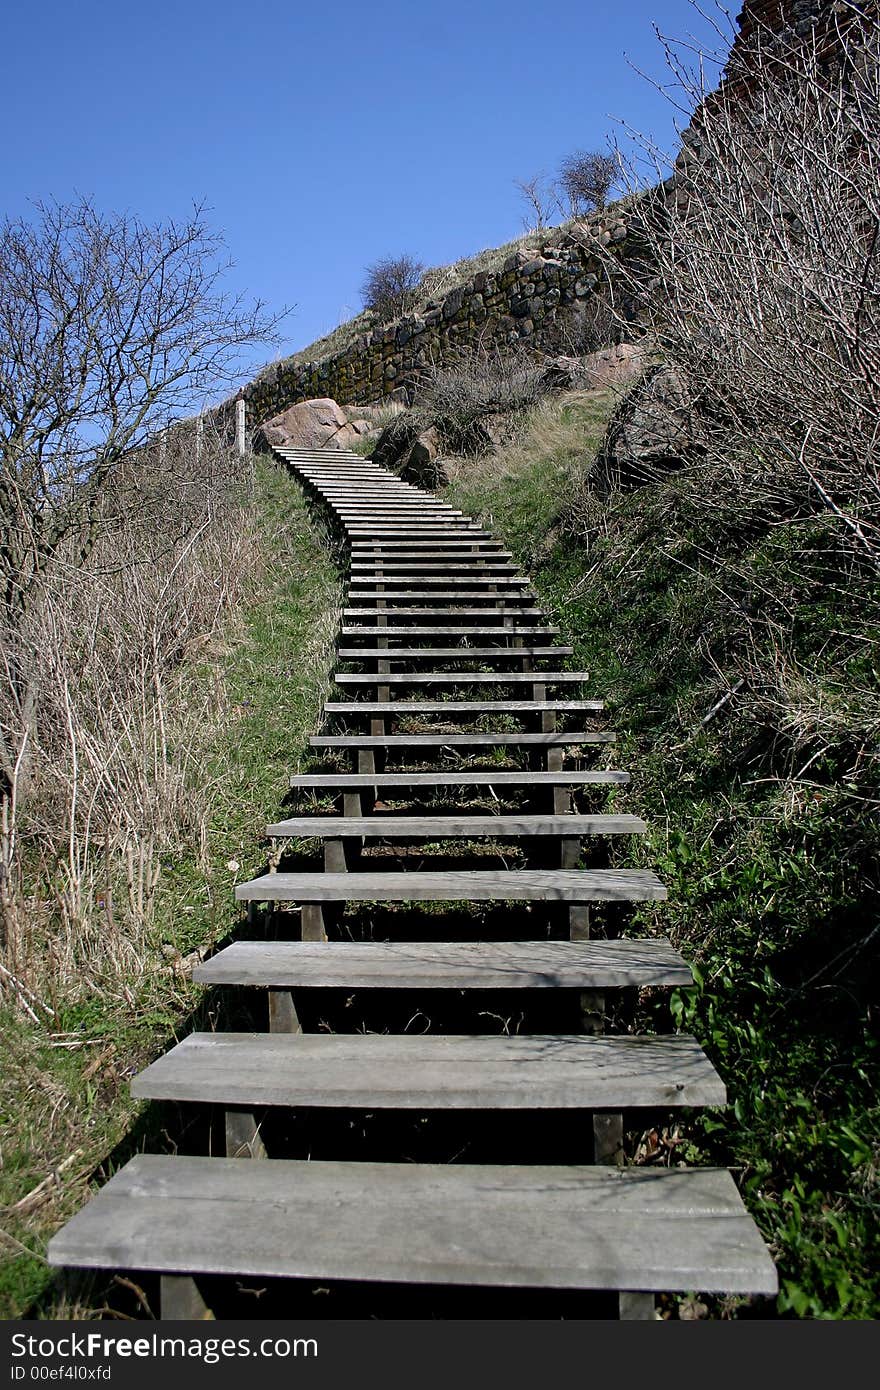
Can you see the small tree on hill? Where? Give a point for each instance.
(585, 180)
(390, 284)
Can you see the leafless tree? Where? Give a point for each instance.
(540, 199)
(390, 284)
(109, 327)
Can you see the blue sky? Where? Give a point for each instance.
(322, 137)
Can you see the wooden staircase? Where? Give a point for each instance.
(453, 659)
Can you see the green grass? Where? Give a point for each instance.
(64, 1099)
(773, 877)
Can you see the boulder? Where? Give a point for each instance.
(612, 366)
(315, 424)
(421, 463)
(411, 449)
(654, 431)
(395, 441)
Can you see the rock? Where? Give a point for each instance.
(654, 431)
(421, 464)
(412, 451)
(395, 441)
(613, 366)
(564, 374)
(312, 424)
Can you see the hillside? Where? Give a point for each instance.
(763, 801)
(668, 411)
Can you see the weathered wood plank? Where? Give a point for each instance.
(433, 562)
(418, 595)
(464, 547)
(441, 613)
(537, 1226)
(487, 777)
(455, 653)
(394, 827)
(475, 740)
(452, 708)
(450, 631)
(418, 587)
(482, 885)
(619, 964)
(428, 1072)
(462, 678)
(181, 1301)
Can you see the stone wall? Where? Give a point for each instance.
(534, 298)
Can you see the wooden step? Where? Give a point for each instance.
(418, 595)
(474, 631)
(434, 1072)
(455, 654)
(448, 540)
(411, 531)
(365, 586)
(454, 708)
(390, 510)
(477, 885)
(440, 613)
(482, 779)
(388, 513)
(620, 964)
(533, 1226)
(460, 740)
(393, 568)
(470, 545)
(595, 964)
(467, 550)
(462, 678)
(464, 826)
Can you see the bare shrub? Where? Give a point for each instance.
(589, 325)
(108, 327)
(390, 285)
(585, 180)
(461, 398)
(765, 255)
(114, 740)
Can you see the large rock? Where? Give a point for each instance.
(613, 366)
(395, 441)
(422, 464)
(654, 431)
(313, 424)
(411, 449)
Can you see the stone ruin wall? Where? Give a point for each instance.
(533, 300)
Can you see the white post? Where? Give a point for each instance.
(239, 427)
(200, 437)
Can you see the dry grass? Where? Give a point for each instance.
(238, 705)
(522, 489)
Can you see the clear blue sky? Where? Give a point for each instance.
(322, 136)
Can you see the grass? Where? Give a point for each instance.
(772, 870)
(64, 1098)
(520, 491)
